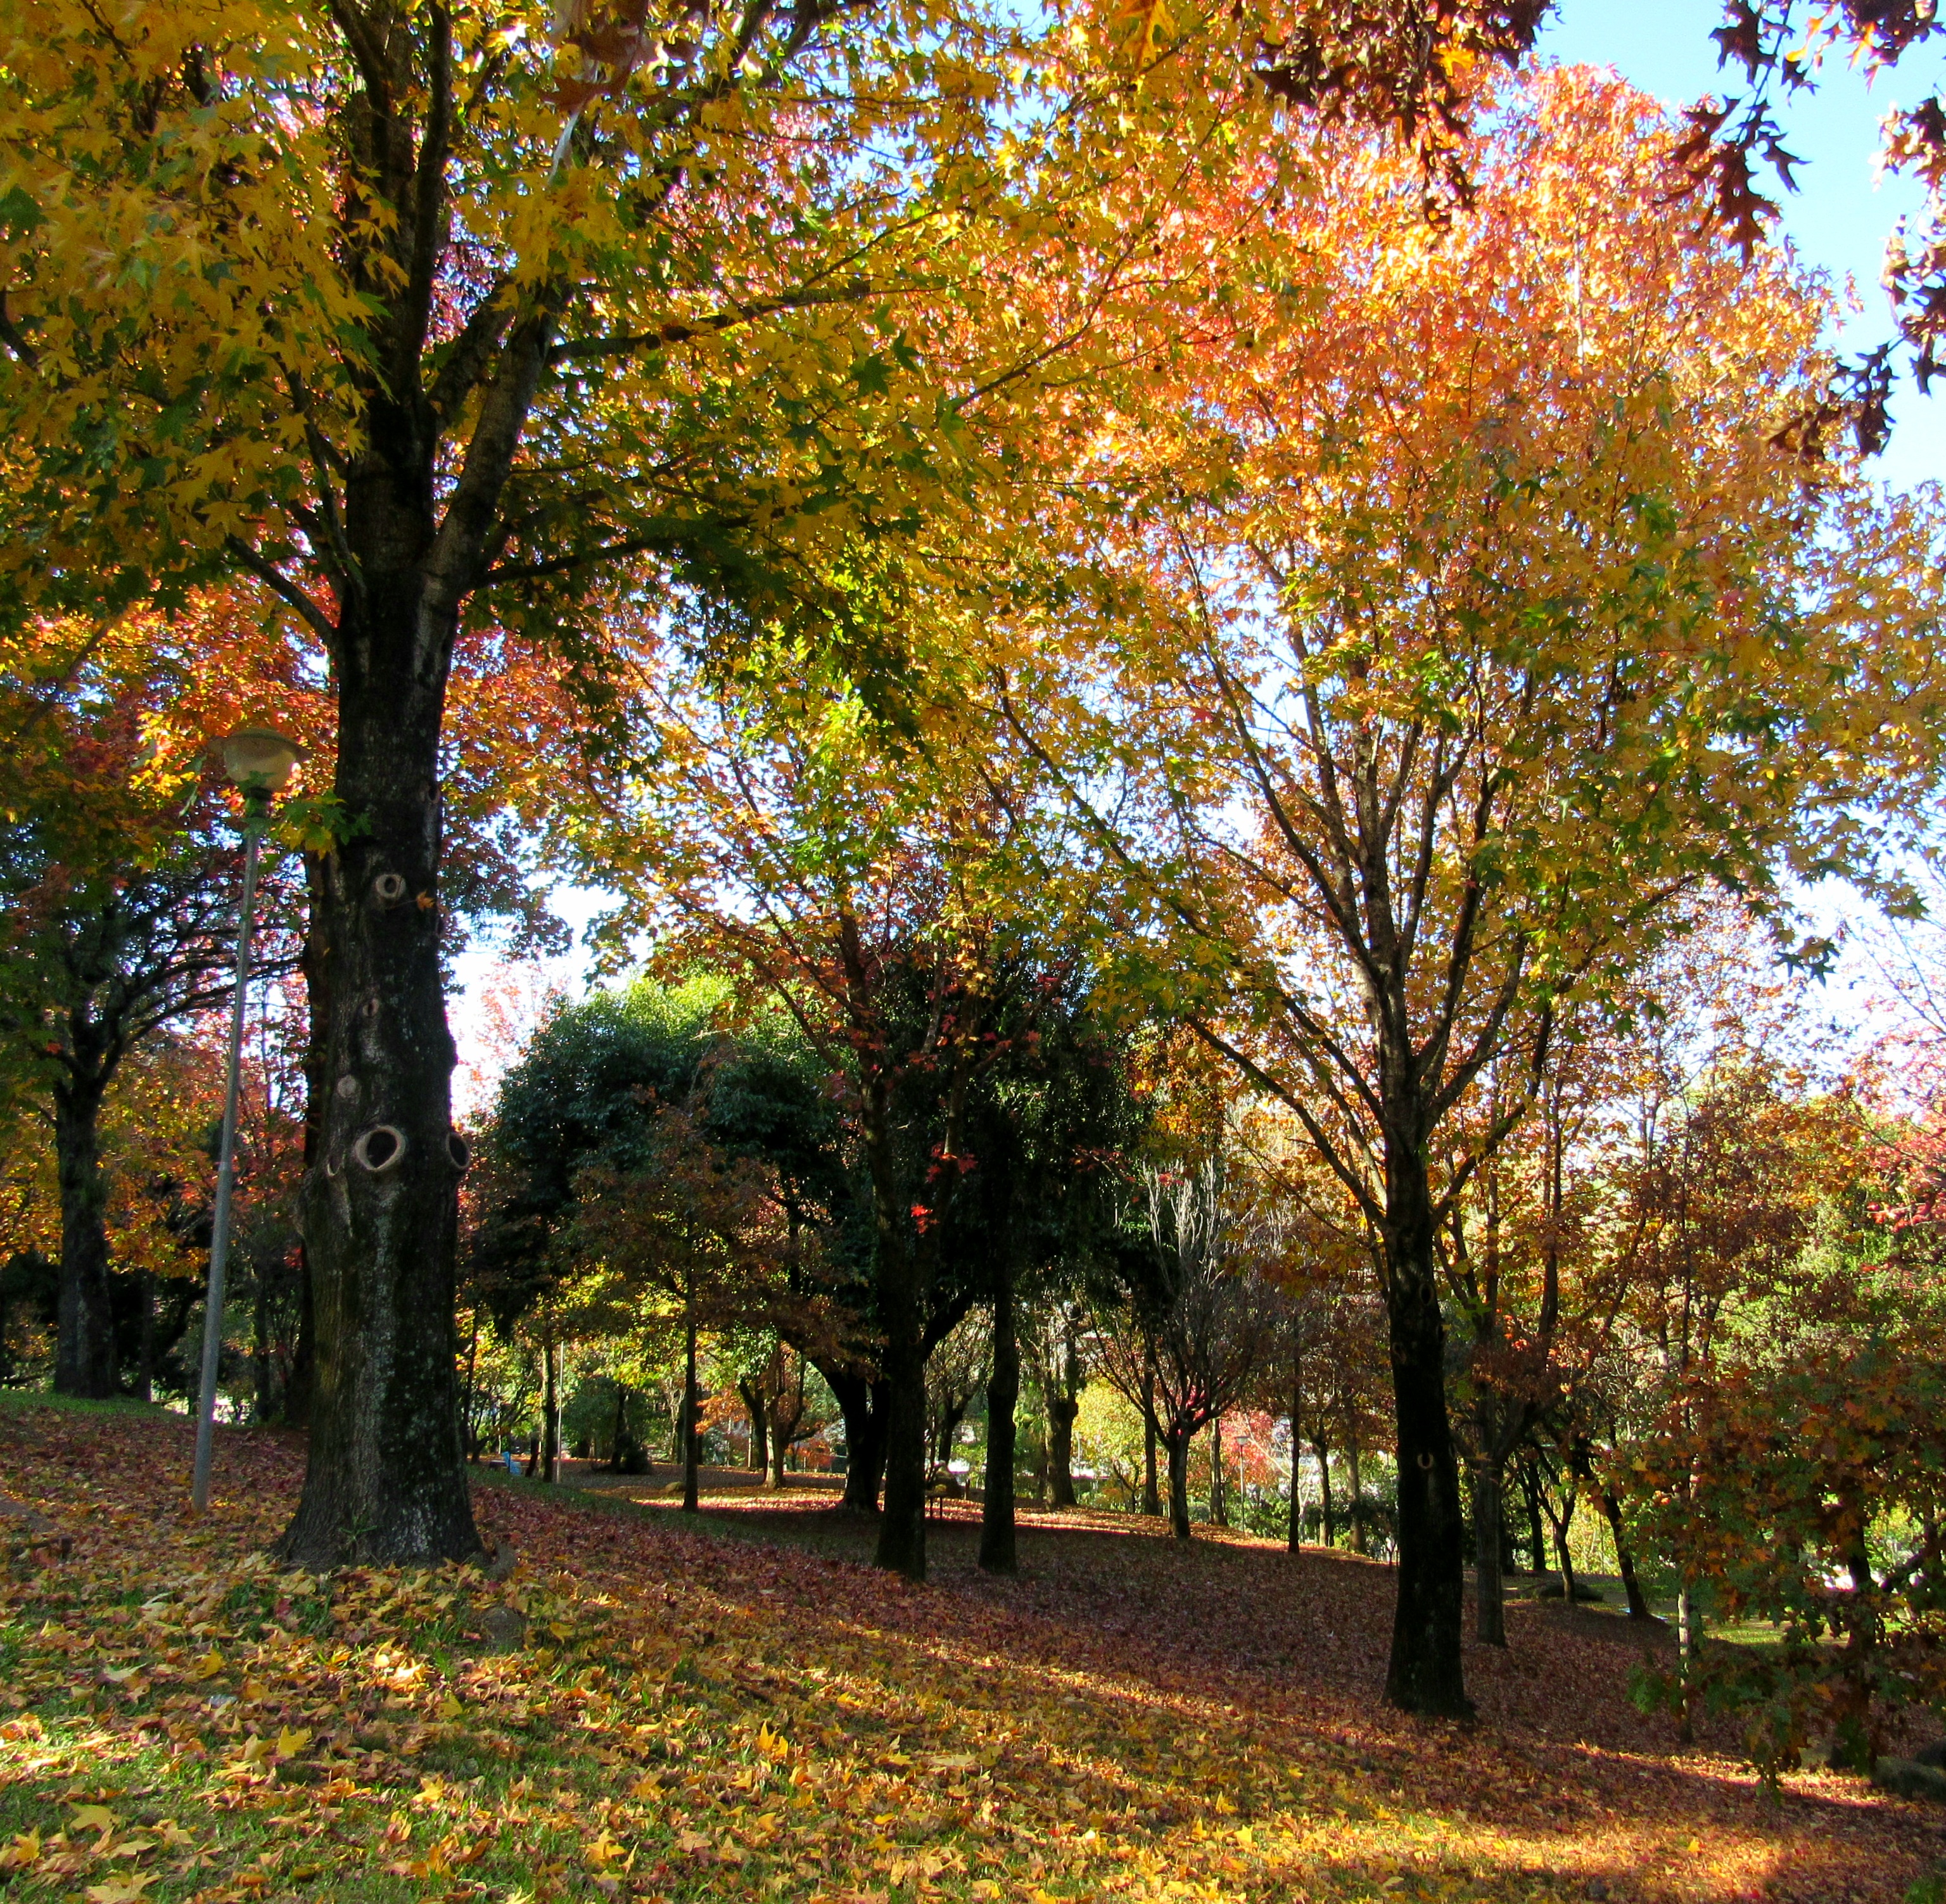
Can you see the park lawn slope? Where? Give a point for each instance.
(642, 1710)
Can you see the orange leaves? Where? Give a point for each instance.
(1125, 1719)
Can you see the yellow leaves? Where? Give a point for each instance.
(92, 1818)
(121, 1890)
(291, 1742)
(603, 1851)
(22, 1852)
(208, 1666)
(449, 1709)
(1145, 26)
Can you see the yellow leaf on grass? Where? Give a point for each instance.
(93, 1818)
(22, 1854)
(690, 1843)
(290, 1743)
(209, 1665)
(449, 1708)
(120, 1890)
(255, 1688)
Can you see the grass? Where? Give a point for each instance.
(738, 1709)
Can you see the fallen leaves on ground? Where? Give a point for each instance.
(656, 1709)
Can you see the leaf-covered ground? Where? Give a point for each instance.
(640, 1708)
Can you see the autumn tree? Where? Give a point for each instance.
(119, 870)
(1492, 623)
(1197, 1318)
(450, 312)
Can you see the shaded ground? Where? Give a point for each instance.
(737, 1709)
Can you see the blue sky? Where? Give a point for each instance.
(1840, 219)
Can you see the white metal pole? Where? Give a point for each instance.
(254, 819)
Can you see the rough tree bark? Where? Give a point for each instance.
(1322, 1449)
(998, 1547)
(1490, 1617)
(1424, 1673)
(862, 1402)
(1177, 1446)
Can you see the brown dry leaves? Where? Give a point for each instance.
(640, 1710)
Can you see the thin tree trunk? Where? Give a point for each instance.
(1536, 1544)
(1294, 1540)
(1357, 1509)
(1219, 1505)
(1177, 1445)
(1151, 1495)
(1322, 1449)
(550, 1410)
(145, 1369)
(84, 1359)
(1685, 1653)
(1490, 1619)
(618, 1435)
(691, 1439)
(1064, 1404)
(997, 1545)
(1564, 1560)
(260, 1347)
(1625, 1559)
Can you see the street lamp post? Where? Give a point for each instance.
(260, 762)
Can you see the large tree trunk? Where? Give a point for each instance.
(901, 1547)
(760, 1427)
(386, 1480)
(1177, 1445)
(1490, 1619)
(85, 1359)
(1424, 1673)
(862, 1404)
(1061, 1414)
(997, 1551)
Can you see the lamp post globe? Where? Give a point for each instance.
(260, 757)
